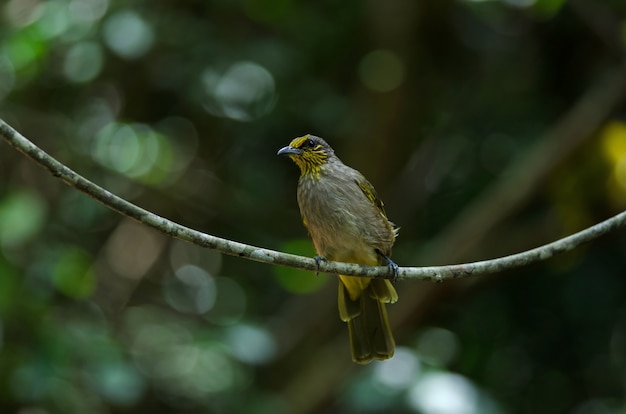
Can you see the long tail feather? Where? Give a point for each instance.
(368, 325)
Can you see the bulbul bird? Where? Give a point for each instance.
(347, 223)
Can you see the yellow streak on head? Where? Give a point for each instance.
(312, 157)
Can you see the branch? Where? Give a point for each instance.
(229, 247)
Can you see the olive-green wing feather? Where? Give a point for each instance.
(370, 193)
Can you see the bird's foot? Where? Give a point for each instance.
(393, 267)
(318, 261)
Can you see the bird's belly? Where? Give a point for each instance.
(337, 228)
(342, 241)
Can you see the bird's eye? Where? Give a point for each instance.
(309, 143)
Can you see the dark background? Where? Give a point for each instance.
(487, 127)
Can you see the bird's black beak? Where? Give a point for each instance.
(289, 150)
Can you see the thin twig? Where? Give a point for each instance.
(434, 273)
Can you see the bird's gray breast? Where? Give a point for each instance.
(333, 211)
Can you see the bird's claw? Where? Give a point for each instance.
(318, 261)
(393, 267)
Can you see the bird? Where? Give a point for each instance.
(347, 223)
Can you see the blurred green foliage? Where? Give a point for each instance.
(488, 127)
(295, 280)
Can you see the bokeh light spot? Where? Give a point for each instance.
(437, 346)
(251, 344)
(24, 49)
(54, 20)
(135, 150)
(118, 383)
(212, 372)
(619, 172)
(382, 70)
(613, 142)
(444, 393)
(83, 62)
(88, 11)
(22, 215)
(244, 93)
(399, 372)
(73, 274)
(21, 12)
(132, 249)
(191, 290)
(128, 34)
(117, 147)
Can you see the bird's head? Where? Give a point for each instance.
(309, 152)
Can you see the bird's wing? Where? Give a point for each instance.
(370, 193)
